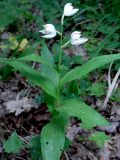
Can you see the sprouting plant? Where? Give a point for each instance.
(52, 81)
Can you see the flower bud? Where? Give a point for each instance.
(76, 38)
(69, 10)
(49, 31)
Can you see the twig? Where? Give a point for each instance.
(85, 21)
(19, 94)
(17, 157)
(23, 139)
(109, 77)
(34, 64)
(66, 155)
(116, 85)
(112, 49)
(111, 89)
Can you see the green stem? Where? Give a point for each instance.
(59, 92)
(58, 33)
(64, 45)
(60, 60)
(61, 37)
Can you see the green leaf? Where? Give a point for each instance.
(73, 88)
(50, 101)
(68, 142)
(52, 141)
(6, 10)
(35, 148)
(5, 71)
(98, 89)
(91, 65)
(49, 71)
(33, 57)
(60, 117)
(35, 142)
(35, 154)
(46, 54)
(107, 39)
(99, 138)
(34, 76)
(13, 144)
(90, 117)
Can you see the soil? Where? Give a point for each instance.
(30, 122)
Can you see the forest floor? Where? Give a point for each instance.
(21, 106)
(20, 113)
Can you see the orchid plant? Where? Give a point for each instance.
(52, 81)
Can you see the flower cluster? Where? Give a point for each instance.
(49, 30)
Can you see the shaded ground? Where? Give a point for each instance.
(29, 123)
(17, 97)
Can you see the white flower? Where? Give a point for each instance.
(69, 10)
(76, 38)
(49, 31)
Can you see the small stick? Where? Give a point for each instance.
(109, 76)
(111, 89)
(66, 155)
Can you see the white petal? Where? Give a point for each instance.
(68, 7)
(42, 31)
(49, 31)
(71, 13)
(49, 35)
(79, 41)
(75, 35)
(76, 32)
(69, 10)
(49, 28)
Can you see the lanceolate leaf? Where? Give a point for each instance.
(49, 71)
(90, 117)
(91, 65)
(99, 138)
(46, 54)
(52, 141)
(34, 57)
(34, 77)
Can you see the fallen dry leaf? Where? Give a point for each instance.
(19, 106)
